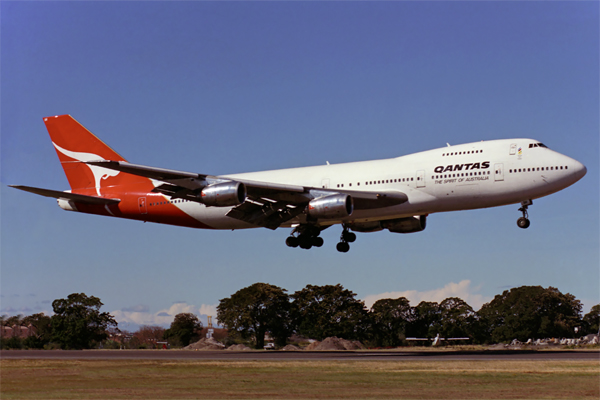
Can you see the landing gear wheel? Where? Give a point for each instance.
(342, 247)
(305, 236)
(349, 236)
(305, 242)
(292, 241)
(317, 241)
(523, 223)
(345, 238)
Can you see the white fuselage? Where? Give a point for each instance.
(461, 177)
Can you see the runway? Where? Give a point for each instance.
(376, 355)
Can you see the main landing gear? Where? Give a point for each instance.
(345, 238)
(523, 222)
(306, 237)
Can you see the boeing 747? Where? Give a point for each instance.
(396, 194)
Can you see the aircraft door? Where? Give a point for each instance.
(420, 178)
(498, 172)
(142, 205)
(325, 183)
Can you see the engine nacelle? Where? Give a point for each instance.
(371, 226)
(224, 194)
(405, 225)
(334, 206)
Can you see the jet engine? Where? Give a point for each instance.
(334, 206)
(224, 194)
(405, 225)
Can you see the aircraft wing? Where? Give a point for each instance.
(57, 194)
(267, 204)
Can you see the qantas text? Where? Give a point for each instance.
(460, 167)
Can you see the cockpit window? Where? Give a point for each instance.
(537, 145)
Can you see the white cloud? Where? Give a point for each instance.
(209, 309)
(462, 290)
(139, 315)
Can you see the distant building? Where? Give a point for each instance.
(18, 331)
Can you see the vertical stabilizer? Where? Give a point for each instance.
(75, 146)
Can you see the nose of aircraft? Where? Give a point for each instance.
(579, 170)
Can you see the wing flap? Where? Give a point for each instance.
(268, 215)
(57, 194)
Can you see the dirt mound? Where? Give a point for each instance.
(238, 347)
(334, 343)
(206, 344)
(291, 347)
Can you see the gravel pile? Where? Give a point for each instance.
(238, 347)
(335, 343)
(206, 344)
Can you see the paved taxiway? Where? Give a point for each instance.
(379, 355)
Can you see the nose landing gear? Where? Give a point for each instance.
(524, 222)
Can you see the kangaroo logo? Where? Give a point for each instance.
(98, 172)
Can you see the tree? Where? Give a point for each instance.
(147, 336)
(426, 320)
(255, 310)
(77, 322)
(323, 311)
(42, 327)
(456, 318)
(15, 320)
(530, 312)
(389, 319)
(591, 320)
(184, 329)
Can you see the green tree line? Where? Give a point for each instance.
(317, 312)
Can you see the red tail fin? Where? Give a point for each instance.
(75, 145)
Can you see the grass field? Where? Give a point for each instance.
(168, 379)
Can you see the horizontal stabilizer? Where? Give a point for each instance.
(57, 194)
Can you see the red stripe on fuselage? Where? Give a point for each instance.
(136, 204)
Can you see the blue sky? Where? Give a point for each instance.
(234, 87)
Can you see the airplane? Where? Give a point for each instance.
(437, 340)
(396, 194)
